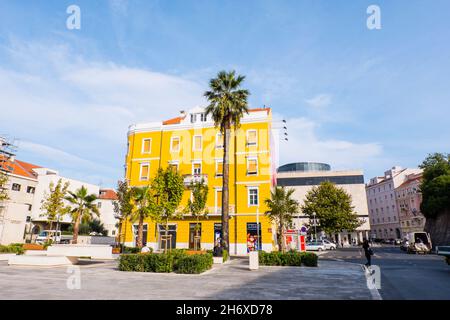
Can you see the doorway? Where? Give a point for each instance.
(172, 236)
(195, 236)
(144, 236)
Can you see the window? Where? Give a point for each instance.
(252, 139)
(175, 144)
(203, 117)
(196, 168)
(219, 140)
(99, 205)
(173, 165)
(193, 118)
(146, 145)
(29, 209)
(31, 189)
(145, 168)
(219, 168)
(197, 143)
(218, 200)
(252, 166)
(15, 187)
(252, 196)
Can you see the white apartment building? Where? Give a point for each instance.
(303, 176)
(381, 200)
(105, 204)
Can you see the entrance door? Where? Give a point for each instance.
(195, 236)
(253, 242)
(144, 237)
(172, 236)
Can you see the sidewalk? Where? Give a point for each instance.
(331, 280)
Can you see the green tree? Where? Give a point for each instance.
(197, 206)
(83, 208)
(435, 186)
(333, 208)
(122, 206)
(227, 105)
(143, 200)
(167, 187)
(281, 208)
(53, 205)
(3, 189)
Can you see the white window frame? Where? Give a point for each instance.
(248, 196)
(201, 142)
(140, 171)
(143, 144)
(171, 144)
(201, 167)
(217, 165)
(175, 163)
(248, 160)
(217, 205)
(247, 133)
(219, 145)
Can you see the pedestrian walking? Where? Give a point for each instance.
(368, 252)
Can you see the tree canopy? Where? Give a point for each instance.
(333, 208)
(435, 186)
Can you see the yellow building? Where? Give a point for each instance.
(192, 144)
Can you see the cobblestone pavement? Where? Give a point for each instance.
(233, 280)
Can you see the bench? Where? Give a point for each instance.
(93, 251)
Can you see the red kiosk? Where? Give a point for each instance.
(295, 240)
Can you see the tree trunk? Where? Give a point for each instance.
(76, 229)
(281, 239)
(140, 232)
(225, 190)
(167, 235)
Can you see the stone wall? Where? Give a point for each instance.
(439, 229)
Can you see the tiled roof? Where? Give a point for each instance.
(409, 182)
(107, 194)
(18, 167)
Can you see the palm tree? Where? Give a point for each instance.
(142, 198)
(227, 105)
(83, 208)
(281, 207)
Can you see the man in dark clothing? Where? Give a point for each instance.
(367, 252)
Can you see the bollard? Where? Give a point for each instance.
(253, 260)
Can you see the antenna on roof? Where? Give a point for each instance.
(7, 152)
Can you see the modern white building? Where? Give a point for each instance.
(303, 176)
(105, 204)
(381, 200)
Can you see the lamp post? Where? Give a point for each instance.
(315, 226)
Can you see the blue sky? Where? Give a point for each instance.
(353, 97)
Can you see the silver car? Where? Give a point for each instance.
(315, 246)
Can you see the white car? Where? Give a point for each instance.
(315, 246)
(329, 245)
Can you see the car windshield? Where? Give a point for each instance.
(43, 234)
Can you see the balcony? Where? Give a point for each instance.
(194, 178)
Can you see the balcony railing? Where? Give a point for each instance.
(194, 178)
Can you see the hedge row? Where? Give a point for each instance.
(174, 261)
(291, 258)
(12, 248)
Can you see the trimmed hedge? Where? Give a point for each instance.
(225, 255)
(12, 248)
(173, 261)
(290, 258)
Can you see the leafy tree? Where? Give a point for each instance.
(197, 206)
(435, 186)
(333, 208)
(3, 189)
(142, 199)
(123, 205)
(53, 204)
(167, 187)
(227, 105)
(83, 208)
(281, 207)
(92, 226)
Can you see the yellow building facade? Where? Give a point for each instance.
(192, 144)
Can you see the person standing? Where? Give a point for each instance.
(367, 252)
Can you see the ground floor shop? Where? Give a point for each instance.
(246, 232)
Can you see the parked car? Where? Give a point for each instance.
(329, 245)
(54, 236)
(315, 246)
(418, 242)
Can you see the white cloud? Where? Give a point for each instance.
(305, 145)
(319, 101)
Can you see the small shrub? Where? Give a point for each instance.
(196, 263)
(309, 259)
(129, 250)
(12, 248)
(131, 262)
(225, 255)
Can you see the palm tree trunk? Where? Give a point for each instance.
(225, 190)
(281, 240)
(76, 229)
(140, 232)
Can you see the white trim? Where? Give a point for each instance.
(201, 167)
(248, 196)
(144, 159)
(257, 166)
(221, 141)
(143, 144)
(216, 171)
(253, 182)
(251, 152)
(193, 142)
(174, 163)
(171, 143)
(246, 138)
(140, 171)
(216, 190)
